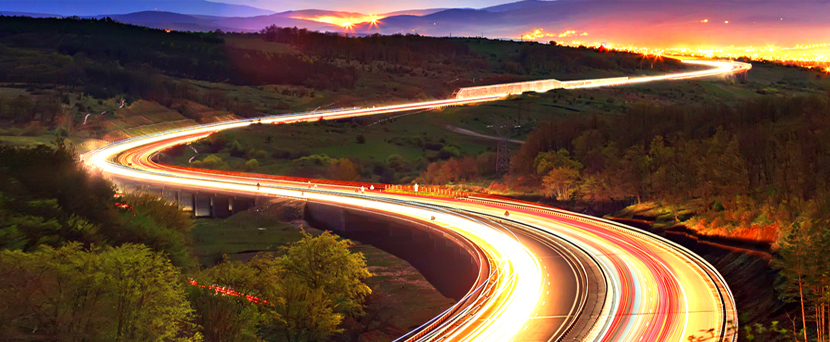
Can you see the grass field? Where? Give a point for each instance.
(400, 289)
(407, 135)
(214, 238)
(28, 141)
(254, 43)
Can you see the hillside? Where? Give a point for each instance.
(59, 73)
(101, 7)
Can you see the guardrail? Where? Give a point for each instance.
(540, 86)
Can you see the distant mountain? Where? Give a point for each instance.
(665, 23)
(311, 13)
(255, 24)
(182, 22)
(416, 12)
(169, 21)
(159, 17)
(674, 23)
(27, 14)
(104, 7)
(517, 6)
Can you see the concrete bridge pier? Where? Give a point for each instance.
(198, 203)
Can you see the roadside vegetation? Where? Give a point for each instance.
(743, 159)
(95, 80)
(78, 262)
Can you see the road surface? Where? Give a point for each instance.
(465, 131)
(547, 274)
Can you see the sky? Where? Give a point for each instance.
(364, 6)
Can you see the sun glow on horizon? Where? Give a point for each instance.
(347, 23)
(806, 55)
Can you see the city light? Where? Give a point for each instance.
(806, 55)
(539, 33)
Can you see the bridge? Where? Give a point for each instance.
(541, 86)
(539, 273)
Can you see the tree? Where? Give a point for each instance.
(21, 109)
(251, 164)
(308, 292)
(126, 293)
(547, 161)
(561, 183)
(344, 170)
(147, 295)
(595, 188)
(49, 109)
(214, 162)
(325, 262)
(321, 282)
(306, 314)
(158, 224)
(588, 149)
(452, 170)
(802, 264)
(396, 162)
(631, 174)
(4, 111)
(230, 318)
(224, 318)
(50, 198)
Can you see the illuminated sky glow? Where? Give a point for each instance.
(364, 6)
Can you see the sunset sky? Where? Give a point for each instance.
(365, 6)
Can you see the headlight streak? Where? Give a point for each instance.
(645, 280)
(666, 277)
(718, 68)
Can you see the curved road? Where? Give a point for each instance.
(623, 284)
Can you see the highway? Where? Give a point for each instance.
(547, 274)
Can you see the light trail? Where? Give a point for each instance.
(506, 89)
(657, 291)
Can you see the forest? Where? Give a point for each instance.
(530, 58)
(736, 171)
(106, 58)
(743, 169)
(78, 263)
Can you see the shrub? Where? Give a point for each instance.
(252, 164)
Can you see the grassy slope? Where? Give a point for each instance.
(385, 136)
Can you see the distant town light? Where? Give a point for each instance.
(805, 55)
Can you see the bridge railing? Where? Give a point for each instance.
(539, 86)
